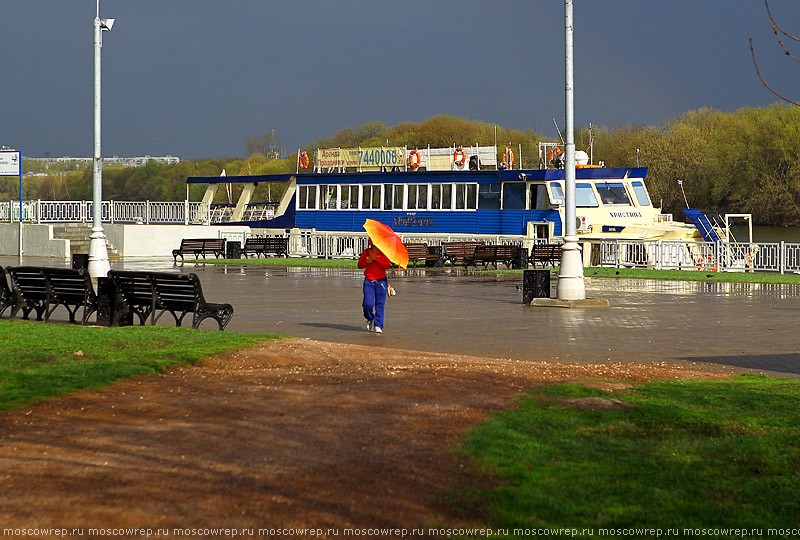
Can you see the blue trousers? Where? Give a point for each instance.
(375, 298)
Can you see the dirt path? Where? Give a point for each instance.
(295, 433)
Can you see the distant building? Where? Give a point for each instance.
(136, 161)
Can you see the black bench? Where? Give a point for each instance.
(456, 252)
(265, 245)
(44, 289)
(510, 255)
(545, 254)
(151, 294)
(200, 246)
(421, 252)
(6, 296)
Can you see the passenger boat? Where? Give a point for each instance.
(459, 190)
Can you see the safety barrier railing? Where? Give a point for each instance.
(152, 212)
(782, 257)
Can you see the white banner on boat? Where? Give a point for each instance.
(360, 157)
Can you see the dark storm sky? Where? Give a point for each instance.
(193, 78)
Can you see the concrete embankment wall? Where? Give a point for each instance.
(160, 240)
(129, 240)
(37, 241)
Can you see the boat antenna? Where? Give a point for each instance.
(680, 183)
(559, 132)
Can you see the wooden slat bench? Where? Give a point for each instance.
(151, 294)
(200, 246)
(455, 252)
(545, 254)
(510, 255)
(265, 245)
(44, 289)
(6, 296)
(421, 252)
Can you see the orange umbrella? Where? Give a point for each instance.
(386, 240)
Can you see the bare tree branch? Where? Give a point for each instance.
(775, 28)
(766, 85)
(776, 25)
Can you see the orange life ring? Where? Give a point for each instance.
(302, 160)
(707, 260)
(414, 163)
(508, 157)
(459, 160)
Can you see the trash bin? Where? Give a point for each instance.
(111, 308)
(535, 284)
(233, 249)
(80, 260)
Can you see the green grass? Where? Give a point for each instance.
(40, 360)
(684, 454)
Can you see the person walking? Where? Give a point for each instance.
(376, 286)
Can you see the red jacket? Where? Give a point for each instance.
(377, 268)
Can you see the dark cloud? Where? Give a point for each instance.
(194, 79)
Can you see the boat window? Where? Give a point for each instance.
(612, 193)
(393, 197)
(466, 196)
(489, 196)
(539, 199)
(447, 196)
(345, 199)
(308, 197)
(441, 196)
(328, 200)
(371, 197)
(558, 192)
(353, 197)
(584, 196)
(514, 196)
(641, 194)
(417, 197)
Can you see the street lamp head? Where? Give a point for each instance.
(106, 24)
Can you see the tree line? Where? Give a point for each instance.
(743, 161)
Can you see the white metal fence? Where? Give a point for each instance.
(38, 211)
(783, 257)
(780, 257)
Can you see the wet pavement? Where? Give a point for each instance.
(749, 326)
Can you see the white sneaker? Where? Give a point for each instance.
(378, 330)
(371, 325)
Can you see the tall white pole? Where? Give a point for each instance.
(98, 252)
(570, 276)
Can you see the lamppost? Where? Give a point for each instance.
(98, 252)
(570, 276)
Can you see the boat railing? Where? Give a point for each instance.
(148, 212)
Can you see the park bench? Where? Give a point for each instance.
(510, 255)
(455, 252)
(200, 246)
(151, 294)
(545, 254)
(44, 289)
(421, 252)
(265, 245)
(6, 296)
